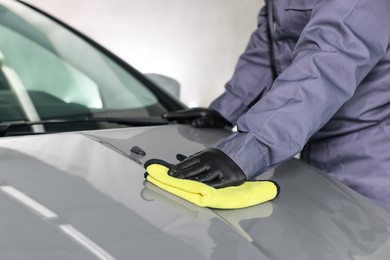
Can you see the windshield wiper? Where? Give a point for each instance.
(128, 121)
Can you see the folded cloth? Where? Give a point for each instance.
(248, 194)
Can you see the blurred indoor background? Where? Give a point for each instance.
(196, 42)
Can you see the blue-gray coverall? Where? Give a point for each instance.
(315, 72)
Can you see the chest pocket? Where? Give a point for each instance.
(294, 17)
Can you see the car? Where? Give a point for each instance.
(77, 126)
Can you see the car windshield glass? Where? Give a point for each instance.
(49, 72)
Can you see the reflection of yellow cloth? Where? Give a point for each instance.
(248, 194)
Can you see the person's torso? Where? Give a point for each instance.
(370, 103)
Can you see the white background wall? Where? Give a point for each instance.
(197, 42)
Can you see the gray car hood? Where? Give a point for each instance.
(83, 196)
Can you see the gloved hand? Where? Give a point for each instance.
(210, 166)
(197, 117)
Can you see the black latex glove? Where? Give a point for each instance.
(197, 117)
(210, 166)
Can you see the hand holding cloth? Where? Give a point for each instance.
(248, 194)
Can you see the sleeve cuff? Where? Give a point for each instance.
(247, 153)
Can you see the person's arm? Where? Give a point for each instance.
(336, 50)
(253, 75)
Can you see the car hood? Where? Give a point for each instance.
(83, 196)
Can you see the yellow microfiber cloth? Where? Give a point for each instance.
(248, 194)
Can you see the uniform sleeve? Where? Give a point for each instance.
(252, 77)
(338, 47)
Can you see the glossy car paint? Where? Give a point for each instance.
(83, 196)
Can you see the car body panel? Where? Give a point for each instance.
(83, 196)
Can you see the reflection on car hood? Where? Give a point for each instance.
(83, 196)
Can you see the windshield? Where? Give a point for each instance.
(49, 72)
